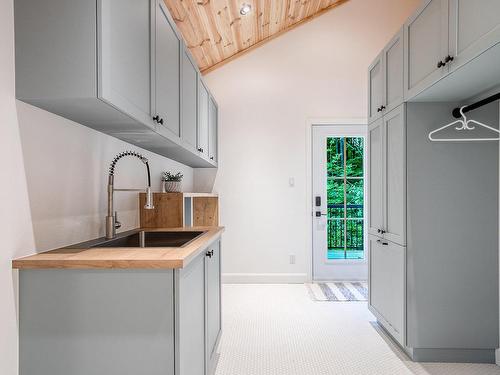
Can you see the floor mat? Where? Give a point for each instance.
(338, 291)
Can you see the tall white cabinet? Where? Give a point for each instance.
(420, 260)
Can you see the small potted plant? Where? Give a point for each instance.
(172, 182)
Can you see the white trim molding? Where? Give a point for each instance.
(264, 278)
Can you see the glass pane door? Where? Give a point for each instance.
(345, 197)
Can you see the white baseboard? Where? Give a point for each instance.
(497, 357)
(264, 278)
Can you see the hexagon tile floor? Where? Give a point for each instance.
(279, 330)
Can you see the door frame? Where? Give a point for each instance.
(333, 122)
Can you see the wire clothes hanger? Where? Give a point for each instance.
(464, 124)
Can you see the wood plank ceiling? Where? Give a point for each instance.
(216, 32)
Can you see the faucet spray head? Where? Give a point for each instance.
(149, 199)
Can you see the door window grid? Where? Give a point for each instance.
(345, 197)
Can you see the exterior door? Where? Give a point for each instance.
(339, 203)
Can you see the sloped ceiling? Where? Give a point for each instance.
(216, 32)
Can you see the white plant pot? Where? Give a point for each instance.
(172, 186)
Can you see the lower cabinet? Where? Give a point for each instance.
(213, 302)
(198, 307)
(387, 285)
(121, 321)
(190, 308)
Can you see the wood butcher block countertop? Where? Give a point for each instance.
(123, 257)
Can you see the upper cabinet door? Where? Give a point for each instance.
(394, 72)
(166, 93)
(376, 178)
(189, 101)
(395, 175)
(203, 118)
(375, 89)
(474, 27)
(124, 62)
(212, 130)
(426, 46)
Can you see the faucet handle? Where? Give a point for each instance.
(118, 225)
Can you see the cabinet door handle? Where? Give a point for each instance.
(448, 59)
(383, 243)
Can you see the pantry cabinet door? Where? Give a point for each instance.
(474, 27)
(375, 89)
(395, 175)
(426, 46)
(394, 72)
(376, 177)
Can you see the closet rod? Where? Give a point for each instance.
(471, 107)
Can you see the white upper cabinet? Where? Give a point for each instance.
(212, 129)
(123, 30)
(385, 79)
(426, 46)
(203, 118)
(189, 101)
(393, 56)
(375, 89)
(167, 47)
(474, 27)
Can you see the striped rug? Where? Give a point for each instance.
(338, 291)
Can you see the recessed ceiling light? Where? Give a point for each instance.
(245, 9)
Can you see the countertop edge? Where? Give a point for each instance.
(31, 262)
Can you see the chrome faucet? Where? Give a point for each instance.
(112, 223)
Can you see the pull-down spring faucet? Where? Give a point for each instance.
(112, 223)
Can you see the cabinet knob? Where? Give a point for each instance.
(382, 108)
(448, 59)
(209, 254)
(200, 149)
(379, 109)
(156, 118)
(160, 121)
(382, 231)
(383, 242)
(440, 64)
(211, 158)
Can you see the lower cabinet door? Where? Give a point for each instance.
(213, 301)
(190, 315)
(387, 285)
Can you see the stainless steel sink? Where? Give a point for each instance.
(144, 239)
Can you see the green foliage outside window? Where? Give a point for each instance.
(345, 195)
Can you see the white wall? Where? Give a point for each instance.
(265, 99)
(53, 184)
